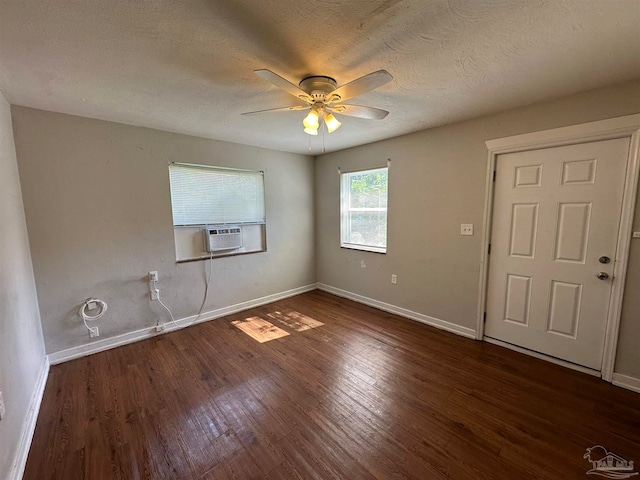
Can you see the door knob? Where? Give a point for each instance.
(602, 275)
(604, 259)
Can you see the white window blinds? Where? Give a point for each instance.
(209, 195)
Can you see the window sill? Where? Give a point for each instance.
(364, 248)
(218, 255)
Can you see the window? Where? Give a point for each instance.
(215, 196)
(364, 209)
(203, 195)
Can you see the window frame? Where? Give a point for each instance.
(250, 215)
(346, 209)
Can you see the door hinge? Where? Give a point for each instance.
(484, 319)
(494, 175)
(489, 250)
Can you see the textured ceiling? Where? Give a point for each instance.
(187, 66)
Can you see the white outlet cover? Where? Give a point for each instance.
(466, 229)
(636, 234)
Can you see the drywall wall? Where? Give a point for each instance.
(436, 182)
(98, 209)
(628, 355)
(21, 347)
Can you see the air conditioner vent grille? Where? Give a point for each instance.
(222, 237)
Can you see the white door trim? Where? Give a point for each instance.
(620, 127)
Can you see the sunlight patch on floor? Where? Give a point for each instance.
(295, 320)
(259, 329)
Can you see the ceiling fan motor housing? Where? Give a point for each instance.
(319, 88)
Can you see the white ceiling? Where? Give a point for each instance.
(187, 66)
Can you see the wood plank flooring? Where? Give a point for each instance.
(367, 395)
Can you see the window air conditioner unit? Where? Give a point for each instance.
(222, 237)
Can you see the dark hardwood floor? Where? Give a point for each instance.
(366, 395)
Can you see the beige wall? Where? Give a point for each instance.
(21, 346)
(436, 182)
(98, 210)
(628, 358)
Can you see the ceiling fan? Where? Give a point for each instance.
(323, 97)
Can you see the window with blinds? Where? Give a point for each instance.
(202, 195)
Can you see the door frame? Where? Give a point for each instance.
(620, 127)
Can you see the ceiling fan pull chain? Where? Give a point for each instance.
(323, 129)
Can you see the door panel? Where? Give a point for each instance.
(564, 308)
(524, 227)
(556, 211)
(518, 299)
(572, 233)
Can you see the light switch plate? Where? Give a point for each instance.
(466, 229)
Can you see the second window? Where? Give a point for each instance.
(364, 209)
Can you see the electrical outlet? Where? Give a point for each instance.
(154, 294)
(2, 408)
(153, 276)
(94, 332)
(636, 234)
(160, 328)
(394, 278)
(466, 229)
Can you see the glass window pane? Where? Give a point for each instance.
(368, 189)
(368, 228)
(364, 209)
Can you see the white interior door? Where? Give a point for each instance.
(556, 213)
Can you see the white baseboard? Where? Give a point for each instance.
(403, 312)
(135, 336)
(625, 381)
(29, 425)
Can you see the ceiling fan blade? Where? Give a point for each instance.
(283, 84)
(281, 109)
(360, 85)
(360, 111)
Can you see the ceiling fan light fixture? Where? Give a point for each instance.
(332, 123)
(311, 131)
(312, 120)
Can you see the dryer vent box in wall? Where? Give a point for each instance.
(222, 237)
